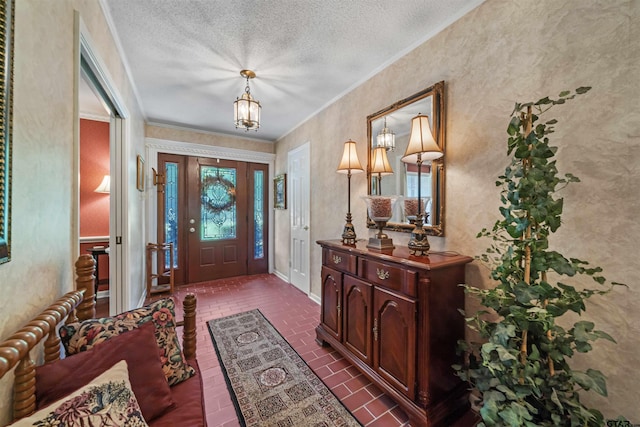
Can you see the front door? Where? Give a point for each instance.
(217, 218)
(215, 213)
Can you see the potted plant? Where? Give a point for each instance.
(521, 370)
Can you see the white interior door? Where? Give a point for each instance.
(299, 187)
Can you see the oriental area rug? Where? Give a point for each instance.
(269, 383)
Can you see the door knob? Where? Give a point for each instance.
(192, 221)
(306, 227)
(192, 230)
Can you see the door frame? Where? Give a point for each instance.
(84, 48)
(153, 146)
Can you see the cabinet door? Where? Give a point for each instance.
(394, 339)
(331, 298)
(358, 317)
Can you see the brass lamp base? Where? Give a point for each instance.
(419, 243)
(381, 241)
(349, 232)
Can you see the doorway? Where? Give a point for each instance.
(215, 212)
(91, 73)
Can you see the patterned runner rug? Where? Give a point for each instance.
(269, 383)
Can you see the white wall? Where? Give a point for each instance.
(41, 267)
(502, 52)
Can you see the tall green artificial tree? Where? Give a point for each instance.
(522, 368)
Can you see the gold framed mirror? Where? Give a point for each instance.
(396, 120)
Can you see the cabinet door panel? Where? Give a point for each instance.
(394, 345)
(358, 317)
(331, 299)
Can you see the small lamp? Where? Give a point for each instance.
(421, 147)
(380, 165)
(349, 164)
(105, 185)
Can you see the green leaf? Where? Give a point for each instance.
(591, 380)
(583, 89)
(564, 93)
(514, 126)
(554, 399)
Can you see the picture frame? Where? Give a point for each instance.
(140, 173)
(280, 191)
(7, 13)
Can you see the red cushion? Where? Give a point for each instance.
(138, 347)
(189, 398)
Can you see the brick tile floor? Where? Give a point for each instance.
(295, 316)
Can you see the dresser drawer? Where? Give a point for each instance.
(389, 276)
(339, 260)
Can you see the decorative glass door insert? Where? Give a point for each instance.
(218, 208)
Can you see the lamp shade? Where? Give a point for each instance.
(105, 185)
(380, 162)
(247, 112)
(421, 141)
(350, 162)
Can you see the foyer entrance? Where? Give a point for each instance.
(215, 212)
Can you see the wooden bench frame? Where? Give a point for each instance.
(75, 305)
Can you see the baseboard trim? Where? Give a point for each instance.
(315, 298)
(281, 276)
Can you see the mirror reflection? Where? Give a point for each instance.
(388, 131)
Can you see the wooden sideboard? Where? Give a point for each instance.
(395, 317)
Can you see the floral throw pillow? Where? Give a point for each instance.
(80, 336)
(105, 401)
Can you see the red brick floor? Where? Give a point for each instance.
(295, 316)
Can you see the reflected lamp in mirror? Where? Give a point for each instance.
(349, 164)
(386, 138)
(380, 166)
(422, 146)
(105, 185)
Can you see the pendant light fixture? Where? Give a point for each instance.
(246, 110)
(386, 138)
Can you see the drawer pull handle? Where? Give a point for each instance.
(337, 259)
(382, 274)
(338, 308)
(375, 329)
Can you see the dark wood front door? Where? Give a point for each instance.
(216, 219)
(215, 213)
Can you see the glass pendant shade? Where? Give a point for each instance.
(386, 138)
(380, 162)
(421, 142)
(246, 110)
(350, 162)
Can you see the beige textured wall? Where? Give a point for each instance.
(506, 51)
(41, 268)
(218, 140)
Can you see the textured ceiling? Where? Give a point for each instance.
(185, 55)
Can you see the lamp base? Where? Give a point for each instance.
(349, 232)
(383, 244)
(381, 241)
(419, 243)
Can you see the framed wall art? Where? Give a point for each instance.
(140, 173)
(280, 191)
(6, 113)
